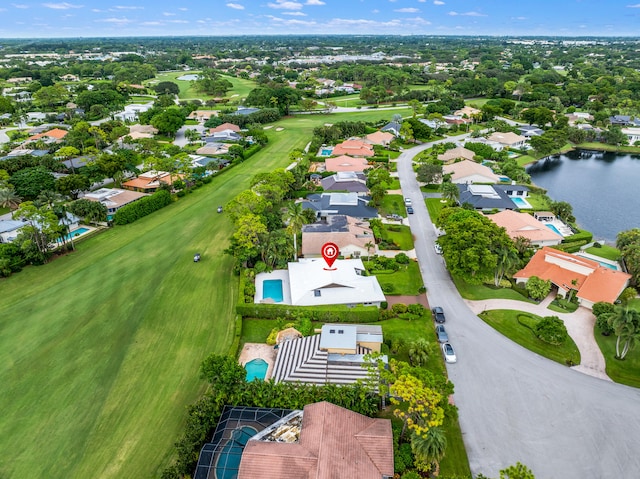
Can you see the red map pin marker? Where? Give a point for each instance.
(330, 253)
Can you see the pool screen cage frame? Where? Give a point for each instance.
(232, 419)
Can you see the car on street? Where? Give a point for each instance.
(438, 314)
(409, 210)
(443, 337)
(407, 201)
(449, 353)
(438, 248)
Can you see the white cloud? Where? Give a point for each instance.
(127, 7)
(438, 2)
(637, 5)
(407, 10)
(295, 14)
(183, 9)
(235, 6)
(61, 6)
(151, 24)
(467, 14)
(19, 5)
(314, 2)
(518, 18)
(168, 14)
(285, 5)
(178, 21)
(117, 21)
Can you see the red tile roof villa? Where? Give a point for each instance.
(592, 281)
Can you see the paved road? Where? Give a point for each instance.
(518, 406)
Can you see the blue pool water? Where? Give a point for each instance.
(74, 233)
(602, 263)
(326, 151)
(229, 459)
(504, 178)
(256, 369)
(520, 203)
(272, 288)
(553, 228)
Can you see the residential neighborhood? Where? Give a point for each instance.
(330, 257)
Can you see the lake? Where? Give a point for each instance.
(603, 188)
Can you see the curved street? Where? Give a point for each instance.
(515, 405)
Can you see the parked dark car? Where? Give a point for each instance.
(410, 210)
(438, 314)
(443, 337)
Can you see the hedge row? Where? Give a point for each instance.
(143, 207)
(337, 313)
(581, 235)
(571, 247)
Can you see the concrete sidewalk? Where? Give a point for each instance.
(579, 326)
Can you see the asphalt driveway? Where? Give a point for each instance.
(515, 405)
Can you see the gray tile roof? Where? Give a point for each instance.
(349, 204)
(485, 197)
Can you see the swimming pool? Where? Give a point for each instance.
(553, 228)
(326, 152)
(606, 264)
(520, 203)
(74, 234)
(272, 288)
(229, 459)
(256, 369)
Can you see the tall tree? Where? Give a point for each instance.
(429, 448)
(626, 326)
(450, 192)
(9, 198)
(294, 219)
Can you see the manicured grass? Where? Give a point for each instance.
(605, 251)
(604, 147)
(400, 235)
(525, 160)
(626, 371)
(538, 202)
(455, 462)
(510, 324)
(394, 184)
(392, 204)
(240, 90)
(430, 188)
(482, 291)
(4, 211)
(140, 99)
(256, 330)
(434, 207)
(346, 101)
(406, 281)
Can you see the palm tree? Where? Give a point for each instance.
(294, 218)
(429, 449)
(419, 352)
(369, 245)
(450, 192)
(626, 325)
(49, 198)
(9, 198)
(507, 260)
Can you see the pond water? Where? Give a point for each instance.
(189, 77)
(602, 188)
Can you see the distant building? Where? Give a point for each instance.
(453, 154)
(468, 171)
(350, 204)
(349, 181)
(151, 181)
(350, 235)
(114, 198)
(354, 147)
(523, 225)
(346, 163)
(508, 139)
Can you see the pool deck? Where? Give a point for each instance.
(599, 259)
(281, 274)
(262, 351)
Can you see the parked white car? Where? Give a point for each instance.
(449, 353)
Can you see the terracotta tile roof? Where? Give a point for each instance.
(224, 127)
(56, 133)
(346, 163)
(524, 225)
(594, 282)
(462, 170)
(152, 180)
(334, 443)
(455, 153)
(380, 138)
(356, 147)
(508, 138)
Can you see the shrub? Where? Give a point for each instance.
(399, 308)
(327, 314)
(271, 339)
(604, 324)
(143, 207)
(402, 258)
(416, 309)
(602, 307)
(505, 283)
(552, 330)
(387, 287)
(403, 458)
(384, 305)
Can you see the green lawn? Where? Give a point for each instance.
(538, 201)
(626, 371)
(400, 235)
(406, 281)
(140, 99)
(394, 184)
(606, 252)
(478, 292)
(509, 323)
(347, 101)
(392, 204)
(100, 349)
(434, 206)
(240, 90)
(256, 330)
(4, 211)
(604, 147)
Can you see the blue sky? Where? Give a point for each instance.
(90, 18)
